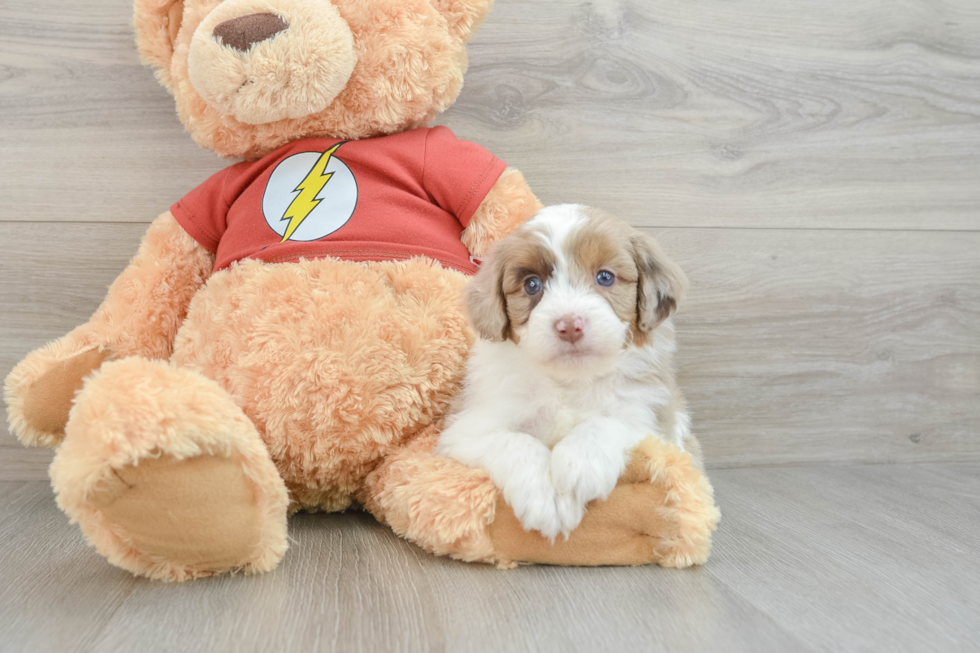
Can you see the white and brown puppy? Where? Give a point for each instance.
(573, 366)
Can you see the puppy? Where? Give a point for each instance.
(572, 367)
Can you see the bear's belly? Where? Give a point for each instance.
(335, 362)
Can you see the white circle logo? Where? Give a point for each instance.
(309, 195)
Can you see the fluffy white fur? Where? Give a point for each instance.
(554, 422)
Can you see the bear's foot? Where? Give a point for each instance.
(39, 390)
(167, 477)
(662, 511)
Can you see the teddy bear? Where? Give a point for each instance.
(290, 333)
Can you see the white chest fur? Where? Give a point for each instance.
(555, 419)
(549, 409)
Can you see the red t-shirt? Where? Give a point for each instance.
(388, 198)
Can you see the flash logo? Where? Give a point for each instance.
(308, 189)
(309, 196)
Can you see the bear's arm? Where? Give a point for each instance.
(509, 203)
(147, 302)
(140, 315)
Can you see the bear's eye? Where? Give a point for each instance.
(532, 285)
(605, 278)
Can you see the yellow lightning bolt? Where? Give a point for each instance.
(309, 188)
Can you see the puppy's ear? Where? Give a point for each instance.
(661, 285)
(485, 299)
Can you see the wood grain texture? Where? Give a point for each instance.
(833, 113)
(56, 594)
(758, 113)
(820, 558)
(882, 532)
(795, 345)
(815, 346)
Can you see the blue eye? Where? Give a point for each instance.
(532, 285)
(605, 278)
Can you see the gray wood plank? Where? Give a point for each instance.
(856, 557)
(605, 609)
(349, 584)
(795, 345)
(837, 113)
(88, 133)
(819, 558)
(56, 594)
(817, 346)
(18, 463)
(834, 113)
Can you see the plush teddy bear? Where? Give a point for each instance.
(289, 334)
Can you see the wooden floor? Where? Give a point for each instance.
(816, 558)
(813, 166)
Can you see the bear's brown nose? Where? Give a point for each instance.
(242, 32)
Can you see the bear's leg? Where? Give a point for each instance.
(438, 503)
(661, 511)
(167, 477)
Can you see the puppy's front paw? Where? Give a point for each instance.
(570, 512)
(533, 502)
(583, 473)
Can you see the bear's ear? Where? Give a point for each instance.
(157, 23)
(463, 16)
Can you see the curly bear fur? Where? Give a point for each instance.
(196, 409)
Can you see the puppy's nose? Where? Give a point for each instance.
(243, 32)
(570, 327)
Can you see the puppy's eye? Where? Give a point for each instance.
(605, 278)
(532, 285)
